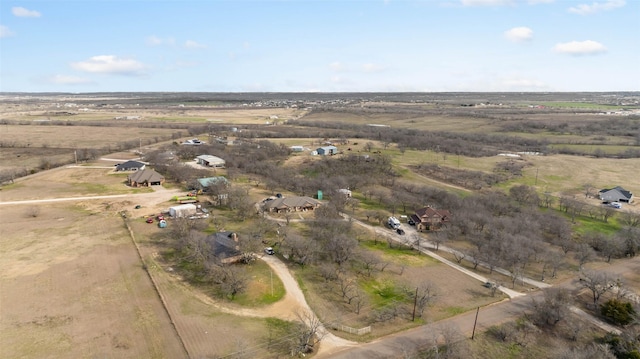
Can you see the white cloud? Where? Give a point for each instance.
(190, 44)
(157, 41)
(109, 64)
(486, 2)
(68, 80)
(534, 2)
(585, 9)
(588, 47)
(519, 34)
(22, 12)
(5, 32)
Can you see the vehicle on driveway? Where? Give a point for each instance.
(269, 251)
(149, 220)
(400, 231)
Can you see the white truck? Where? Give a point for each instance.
(393, 222)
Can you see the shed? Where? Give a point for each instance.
(327, 150)
(296, 148)
(183, 210)
(210, 161)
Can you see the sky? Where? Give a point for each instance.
(319, 45)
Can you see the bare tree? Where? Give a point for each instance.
(426, 295)
(598, 283)
(554, 308)
(584, 254)
(310, 333)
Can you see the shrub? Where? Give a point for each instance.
(618, 312)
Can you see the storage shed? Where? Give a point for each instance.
(327, 150)
(183, 210)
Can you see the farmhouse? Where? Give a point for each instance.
(224, 247)
(183, 210)
(292, 204)
(210, 161)
(327, 150)
(428, 219)
(130, 166)
(145, 178)
(616, 194)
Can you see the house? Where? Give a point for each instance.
(327, 150)
(616, 194)
(183, 210)
(210, 161)
(145, 178)
(224, 247)
(216, 187)
(292, 204)
(130, 166)
(429, 219)
(346, 192)
(211, 181)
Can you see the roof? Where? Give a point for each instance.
(623, 192)
(146, 175)
(210, 159)
(129, 164)
(223, 245)
(429, 212)
(327, 148)
(289, 202)
(204, 182)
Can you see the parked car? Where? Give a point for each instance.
(269, 251)
(149, 220)
(400, 231)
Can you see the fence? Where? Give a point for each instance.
(350, 330)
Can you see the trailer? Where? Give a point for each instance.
(393, 222)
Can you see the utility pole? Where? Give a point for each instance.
(415, 302)
(474, 324)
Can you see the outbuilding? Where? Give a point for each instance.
(183, 210)
(210, 161)
(327, 150)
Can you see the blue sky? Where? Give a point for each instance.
(325, 46)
